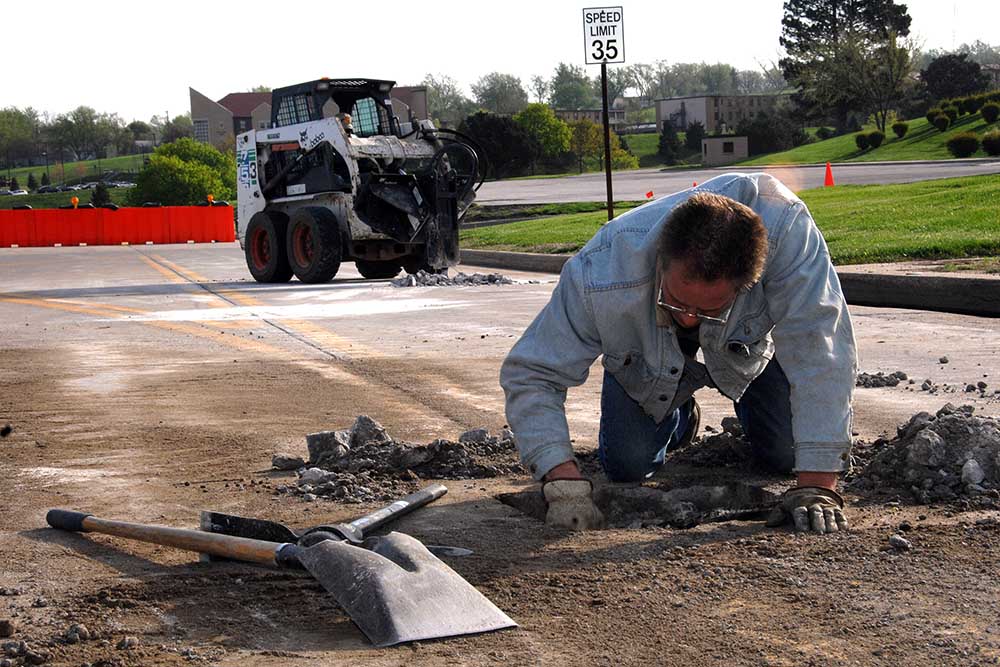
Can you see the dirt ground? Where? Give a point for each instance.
(151, 419)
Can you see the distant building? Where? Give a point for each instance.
(219, 122)
(724, 149)
(615, 116)
(718, 113)
(993, 72)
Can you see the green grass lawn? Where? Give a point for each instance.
(57, 199)
(958, 217)
(478, 212)
(74, 172)
(922, 142)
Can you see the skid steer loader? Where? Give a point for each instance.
(338, 177)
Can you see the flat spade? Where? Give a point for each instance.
(392, 587)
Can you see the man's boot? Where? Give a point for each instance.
(694, 425)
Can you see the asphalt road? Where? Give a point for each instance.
(633, 185)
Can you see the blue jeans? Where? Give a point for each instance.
(632, 446)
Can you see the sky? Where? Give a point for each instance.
(139, 59)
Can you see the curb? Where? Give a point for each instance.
(964, 296)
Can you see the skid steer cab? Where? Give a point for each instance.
(339, 178)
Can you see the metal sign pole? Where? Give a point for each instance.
(607, 139)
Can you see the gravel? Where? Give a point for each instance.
(899, 542)
(375, 467)
(424, 279)
(946, 456)
(880, 379)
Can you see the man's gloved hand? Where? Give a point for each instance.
(571, 505)
(810, 508)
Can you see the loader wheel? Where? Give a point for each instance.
(378, 270)
(313, 244)
(265, 248)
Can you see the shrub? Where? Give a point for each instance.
(951, 112)
(32, 182)
(14, 185)
(173, 182)
(824, 133)
(990, 112)
(899, 128)
(100, 195)
(695, 133)
(975, 103)
(875, 138)
(861, 141)
(941, 122)
(991, 143)
(964, 144)
(932, 114)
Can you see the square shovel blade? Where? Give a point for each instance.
(397, 591)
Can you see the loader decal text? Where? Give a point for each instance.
(247, 166)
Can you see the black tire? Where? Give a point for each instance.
(264, 246)
(313, 242)
(378, 270)
(414, 264)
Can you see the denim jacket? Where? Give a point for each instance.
(604, 304)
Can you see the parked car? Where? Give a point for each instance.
(4, 193)
(68, 188)
(18, 192)
(47, 188)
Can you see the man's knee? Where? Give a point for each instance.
(627, 470)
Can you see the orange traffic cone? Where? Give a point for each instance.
(828, 181)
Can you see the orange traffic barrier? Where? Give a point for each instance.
(828, 181)
(102, 226)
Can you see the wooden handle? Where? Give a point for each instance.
(225, 546)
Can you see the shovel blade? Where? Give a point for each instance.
(395, 590)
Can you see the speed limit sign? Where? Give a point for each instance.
(604, 35)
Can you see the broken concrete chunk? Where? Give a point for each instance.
(972, 472)
(312, 476)
(943, 360)
(327, 445)
(899, 542)
(287, 462)
(367, 431)
(477, 435)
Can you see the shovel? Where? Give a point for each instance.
(392, 587)
(354, 532)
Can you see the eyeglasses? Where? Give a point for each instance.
(721, 318)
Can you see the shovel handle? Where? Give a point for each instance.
(398, 508)
(225, 546)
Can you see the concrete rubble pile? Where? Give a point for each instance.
(727, 448)
(880, 379)
(946, 456)
(365, 464)
(424, 279)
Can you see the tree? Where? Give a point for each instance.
(260, 89)
(619, 81)
(100, 195)
(13, 184)
(77, 130)
(881, 75)
(32, 182)
(16, 134)
(823, 39)
(503, 140)
(540, 87)
(177, 128)
(669, 146)
(500, 93)
(953, 75)
(571, 88)
(695, 133)
(771, 131)
(446, 103)
(45, 179)
(547, 135)
(586, 141)
(139, 130)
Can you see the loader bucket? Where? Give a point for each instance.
(396, 591)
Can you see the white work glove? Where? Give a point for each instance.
(810, 508)
(571, 505)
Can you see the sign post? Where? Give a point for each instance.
(603, 43)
